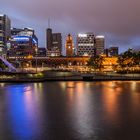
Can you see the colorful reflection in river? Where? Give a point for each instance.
(23, 113)
(69, 110)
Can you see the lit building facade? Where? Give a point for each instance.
(23, 42)
(86, 45)
(54, 43)
(100, 44)
(78, 61)
(5, 33)
(69, 46)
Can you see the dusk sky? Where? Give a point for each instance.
(118, 20)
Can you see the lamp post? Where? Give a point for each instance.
(36, 49)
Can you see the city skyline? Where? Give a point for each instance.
(115, 20)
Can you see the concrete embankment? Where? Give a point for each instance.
(73, 78)
(40, 77)
(110, 78)
(66, 76)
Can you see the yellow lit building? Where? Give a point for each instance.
(110, 63)
(69, 46)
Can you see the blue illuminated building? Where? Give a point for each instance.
(23, 42)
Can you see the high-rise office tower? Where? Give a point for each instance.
(69, 46)
(57, 41)
(100, 44)
(85, 44)
(5, 33)
(49, 39)
(54, 43)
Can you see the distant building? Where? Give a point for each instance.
(54, 43)
(41, 52)
(16, 31)
(106, 52)
(86, 45)
(57, 41)
(5, 33)
(53, 53)
(113, 51)
(100, 44)
(23, 42)
(69, 46)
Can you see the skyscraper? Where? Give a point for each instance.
(85, 44)
(100, 44)
(54, 43)
(5, 33)
(69, 46)
(49, 39)
(57, 41)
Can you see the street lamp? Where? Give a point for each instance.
(36, 49)
(42, 66)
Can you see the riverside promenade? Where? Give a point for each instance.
(65, 76)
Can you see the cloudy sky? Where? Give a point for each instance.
(118, 20)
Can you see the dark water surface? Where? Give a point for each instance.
(70, 111)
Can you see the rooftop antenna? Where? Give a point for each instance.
(49, 23)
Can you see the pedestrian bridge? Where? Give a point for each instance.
(10, 67)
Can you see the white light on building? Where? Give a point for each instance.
(100, 36)
(82, 35)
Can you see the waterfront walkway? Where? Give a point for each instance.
(67, 76)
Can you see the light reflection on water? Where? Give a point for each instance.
(22, 115)
(70, 110)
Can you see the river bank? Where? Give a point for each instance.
(64, 76)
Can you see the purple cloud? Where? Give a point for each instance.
(119, 20)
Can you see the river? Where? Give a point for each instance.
(70, 111)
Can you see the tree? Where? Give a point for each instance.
(127, 59)
(2, 65)
(96, 62)
(137, 58)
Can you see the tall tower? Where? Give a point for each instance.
(49, 39)
(5, 33)
(69, 46)
(57, 42)
(100, 44)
